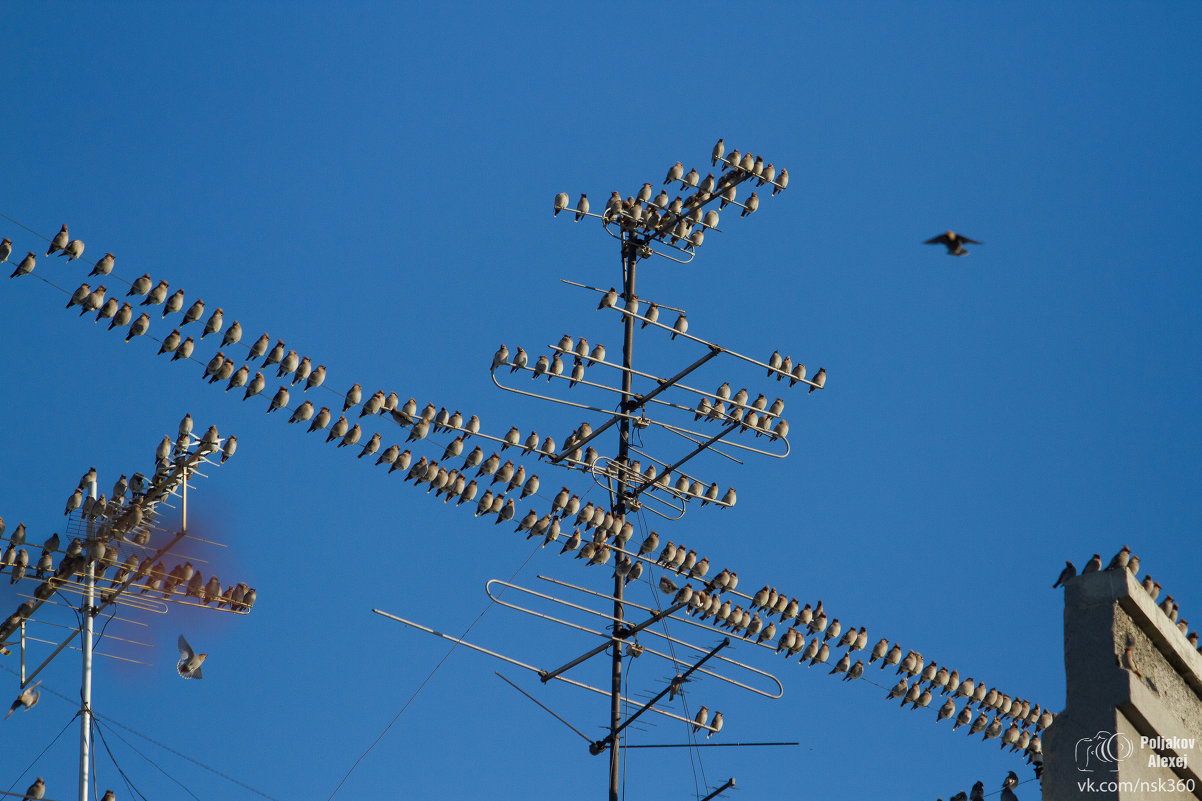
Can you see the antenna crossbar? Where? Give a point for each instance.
(674, 685)
(620, 633)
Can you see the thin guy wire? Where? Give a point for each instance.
(39, 756)
(426, 680)
(128, 782)
(152, 762)
(113, 721)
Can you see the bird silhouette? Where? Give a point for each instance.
(1069, 572)
(952, 241)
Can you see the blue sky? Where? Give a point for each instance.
(373, 185)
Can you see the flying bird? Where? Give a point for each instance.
(952, 241)
(189, 660)
(27, 699)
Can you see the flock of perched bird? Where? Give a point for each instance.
(124, 520)
(37, 791)
(61, 244)
(683, 219)
(978, 790)
(597, 535)
(1125, 560)
(775, 620)
(451, 482)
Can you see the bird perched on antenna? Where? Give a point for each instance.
(189, 660)
(953, 242)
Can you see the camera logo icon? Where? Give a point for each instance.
(1102, 752)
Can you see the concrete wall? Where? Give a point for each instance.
(1104, 744)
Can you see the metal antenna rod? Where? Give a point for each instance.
(729, 783)
(621, 633)
(630, 260)
(598, 746)
(548, 709)
(628, 406)
(690, 455)
(85, 692)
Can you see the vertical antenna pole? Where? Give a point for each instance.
(85, 691)
(629, 260)
(183, 526)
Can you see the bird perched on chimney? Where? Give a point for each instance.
(1069, 571)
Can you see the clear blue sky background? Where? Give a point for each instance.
(373, 184)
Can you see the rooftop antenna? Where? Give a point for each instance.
(646, 227)
(643, 228)
(127, 522)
